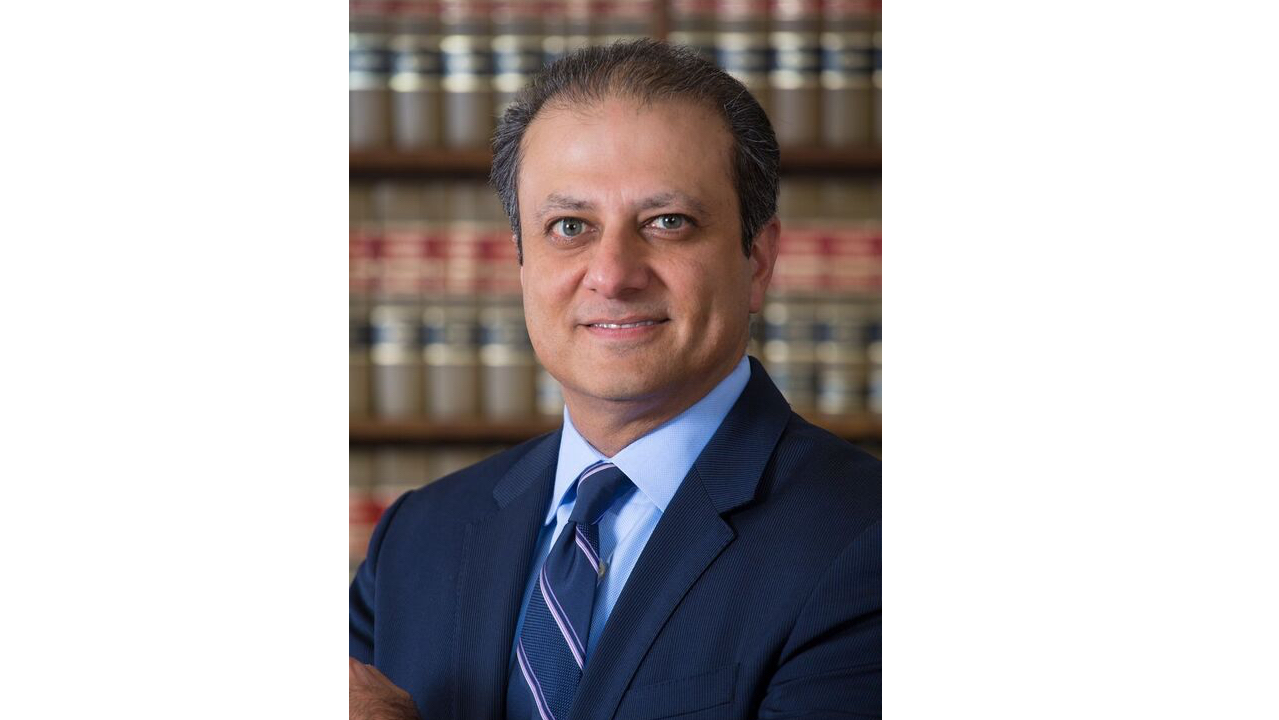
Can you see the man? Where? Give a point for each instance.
(685, 544)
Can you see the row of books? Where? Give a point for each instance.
(437, 73)
(430, 238)
(437, 330)
(466, 358)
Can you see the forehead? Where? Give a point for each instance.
(620, 149)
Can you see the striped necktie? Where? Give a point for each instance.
(551, 651)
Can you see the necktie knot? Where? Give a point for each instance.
(597, 489)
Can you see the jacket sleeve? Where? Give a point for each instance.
(363, 589)
(830, 666)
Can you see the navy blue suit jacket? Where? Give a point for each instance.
(757, 596)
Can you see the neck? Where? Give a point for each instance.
(611, 425)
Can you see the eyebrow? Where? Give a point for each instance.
(558, 202)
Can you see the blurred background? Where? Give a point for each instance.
(442, 373)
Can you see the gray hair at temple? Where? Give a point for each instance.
(648, 71)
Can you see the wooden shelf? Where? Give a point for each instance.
(480, 431)
(371, 164)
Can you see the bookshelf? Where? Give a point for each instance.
(474, 163)
(427, 234)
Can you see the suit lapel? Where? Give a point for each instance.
(497, 552)
(688, 538)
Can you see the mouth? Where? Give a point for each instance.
(624, 329)
(624, 325)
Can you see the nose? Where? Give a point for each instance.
(618, 265)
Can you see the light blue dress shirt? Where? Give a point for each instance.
(657, 464)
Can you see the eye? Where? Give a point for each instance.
(669, 222)
(568, 227)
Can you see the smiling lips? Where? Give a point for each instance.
(618, 326)
(624, 327)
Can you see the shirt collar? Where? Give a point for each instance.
(658, 461)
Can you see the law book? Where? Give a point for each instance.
(624, 20)
(465, 54)
(692, 25)
(450, 351)
(846, 67)
(416, 75)
(841, 327)
(742, 45)
(554, 31)
(450, 321)
(517, 48)
(788, 341)
(395, 315)
(395, 356)
(790, 349)
(794, 79)
(508, 366)
(470, 209)
(370, 74)
(851, 208)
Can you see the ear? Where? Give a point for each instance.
(763, 257)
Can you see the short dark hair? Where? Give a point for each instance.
(649, 71)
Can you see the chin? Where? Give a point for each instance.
(623, 386)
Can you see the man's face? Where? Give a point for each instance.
(635, 284)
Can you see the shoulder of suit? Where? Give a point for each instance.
(827, 462)
(825, 444)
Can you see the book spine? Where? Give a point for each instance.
(580, 25)
(369, 75)
(396, 364)
(790, 348)
(509, 369)
(465, 53)
(852, 259)
(394, 319)
(795, 76)
(742, 45)
(624, 20)
(416, 76)
(517, 49)
(846, 44)
(693, 26)
(450, 341)
(841, 356)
